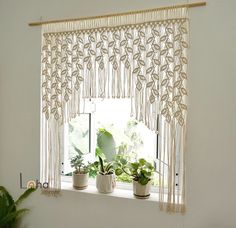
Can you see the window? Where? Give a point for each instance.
(132, 138)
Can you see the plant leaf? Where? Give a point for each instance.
(101, 164)
(25, 195)
(118, 172)
(3, 191)
(11, 217)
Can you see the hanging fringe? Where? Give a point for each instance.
(171, 146)
(51, 192)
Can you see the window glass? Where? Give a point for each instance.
(131, 137)
(79, 134)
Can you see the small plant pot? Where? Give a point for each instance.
(141, 191)
(105, 183)
(80, 180)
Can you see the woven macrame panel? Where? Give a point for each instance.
(146, 62)
(139, 56)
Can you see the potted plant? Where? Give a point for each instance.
(81, 173)
(105, 180)
(141, 173)
(9, 212)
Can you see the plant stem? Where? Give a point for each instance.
(127, 172)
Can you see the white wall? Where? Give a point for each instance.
(211, 181)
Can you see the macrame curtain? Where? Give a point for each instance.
(139, 56)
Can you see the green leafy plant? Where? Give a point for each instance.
(77, 162)
(9, 212)
(120, 159)
(141, 171)
(93, 169)
(106, 143)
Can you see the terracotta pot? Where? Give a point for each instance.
(105, 183)
(141, 191)
(80, 180)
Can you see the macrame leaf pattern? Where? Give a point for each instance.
(146, 61)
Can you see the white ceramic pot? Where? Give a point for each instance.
(141, 191)
(105, 183)
(80, 180)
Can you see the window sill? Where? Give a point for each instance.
(120, 193)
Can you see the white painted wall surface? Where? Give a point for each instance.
(211, 175)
